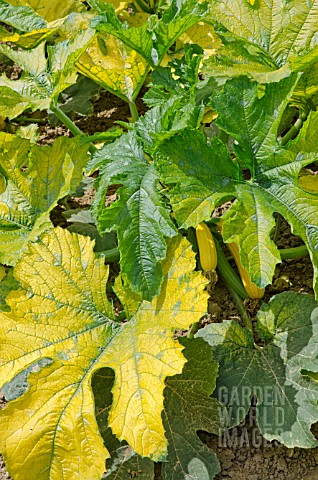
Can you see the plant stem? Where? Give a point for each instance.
(103, 136)
(111, 255)
(295, 252)
(223, 136)
(277, 228)
(295, 129)
(142, 5)
(29, 119)
(133, 110)
(237, 299)
(193, 330)
(69, 124)
(293, 132)
(227, 273)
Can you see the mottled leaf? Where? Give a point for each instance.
(52, 10)
(34, 185)
(123, 461)
(188, 408)
(286, 398)
(7, 284)
(266, 40)
(43, 79)
(153, 39)
(114, 66)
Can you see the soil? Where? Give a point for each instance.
(243, 453)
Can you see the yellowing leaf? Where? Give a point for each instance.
(2, 272)
(46, 73)
(51, 10)
(114, 66)
(202, 34)
(308, 182)
(30, 39)
(3, 183)
(62, 313)
(28, 196)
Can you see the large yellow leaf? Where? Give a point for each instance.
(62, 313)
(53, 9)
(114, 66)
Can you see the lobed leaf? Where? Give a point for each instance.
(274, 373)
(188, 407)
(200, 176)
(266, 41)
(43, 79)
(114, 66)
(67, 318)
(139, 215)
(33, 187)
(153, 39)
(53, 10)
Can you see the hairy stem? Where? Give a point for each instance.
(293, 132)
(295, 129)
(29, 119)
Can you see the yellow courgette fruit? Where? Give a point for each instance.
(207, 250)
(252, 290)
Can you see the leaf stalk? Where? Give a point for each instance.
(133, 110)
(70, 124)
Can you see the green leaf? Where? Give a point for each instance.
(136, 38)
(255, 123)
(61, 313)
(266, 41)
(43, 79)
(164, 120)
(139, 215)
(280, 28)
(21, 17)
(188, 408)
(200, 176)
(7, 284)
(182, 81)
(153, 39)
(191, 169)
(24, 19)
(286, 398)
(34, 185)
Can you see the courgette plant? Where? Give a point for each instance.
(88, 385)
